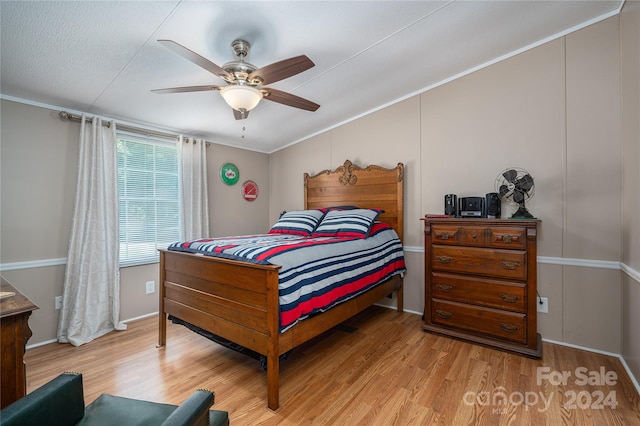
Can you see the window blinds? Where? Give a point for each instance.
(148, 193)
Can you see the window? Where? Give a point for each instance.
(148, 198)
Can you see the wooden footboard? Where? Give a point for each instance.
(232, 299)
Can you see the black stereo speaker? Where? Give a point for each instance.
(451, 205)
(493, 205)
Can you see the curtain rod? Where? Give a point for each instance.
(64, 115)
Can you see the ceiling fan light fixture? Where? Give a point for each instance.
(241, 97)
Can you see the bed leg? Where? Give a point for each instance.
(400, 298)
(273, 385)
(162, 317)
(162, 330)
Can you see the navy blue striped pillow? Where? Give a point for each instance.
(347, 223)
(297, 222)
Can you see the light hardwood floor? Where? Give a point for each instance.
(379, 368)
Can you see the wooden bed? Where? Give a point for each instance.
(238, 301)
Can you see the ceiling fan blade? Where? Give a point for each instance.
(240, 115)
(285, 98)
(510, 175)
(187, 89)
(195, 58)
(281, 70)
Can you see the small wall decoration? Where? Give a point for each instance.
(229, 173)
(250, 190)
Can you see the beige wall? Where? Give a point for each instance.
(38, 180)
(230, 214)
(553, 110)
(593, 202)
(630, 87)
(39, 168)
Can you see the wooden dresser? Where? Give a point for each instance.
(14, 321)
(481, 281)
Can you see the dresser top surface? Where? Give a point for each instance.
(14, 304)
(482, 221)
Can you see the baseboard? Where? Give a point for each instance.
(140, 317)
(611, 354)
(46, 342)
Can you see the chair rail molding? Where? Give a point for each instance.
(28, 264)
(566, 261)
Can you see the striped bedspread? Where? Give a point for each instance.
(316, 273)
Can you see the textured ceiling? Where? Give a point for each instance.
(102, 57)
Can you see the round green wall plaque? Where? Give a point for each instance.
(229, 173)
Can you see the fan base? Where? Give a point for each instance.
(522, 213)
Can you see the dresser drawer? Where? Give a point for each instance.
(447, 234)
(479, 291)
(474, 235)
(480, 261)
(476, 319)
(508, 237)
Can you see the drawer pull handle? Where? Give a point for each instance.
(444, 236)
(444, 314)
(444, 259)
(474, 236)
(444, 288)
(509, 298)
(509, 328)
(506, 239)
(509, 265)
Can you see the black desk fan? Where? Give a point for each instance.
(515, 186)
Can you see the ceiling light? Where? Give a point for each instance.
(241, 97)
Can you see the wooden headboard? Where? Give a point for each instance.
(370, 187)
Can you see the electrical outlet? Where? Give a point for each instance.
(58, 302)
(151, 287)
(543, 305)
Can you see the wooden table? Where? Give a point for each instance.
(14, 321)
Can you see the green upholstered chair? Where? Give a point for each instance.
(61, 402)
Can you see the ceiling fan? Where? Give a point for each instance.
(245, 81)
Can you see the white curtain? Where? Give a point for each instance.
(194, 204)
(91, 297)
